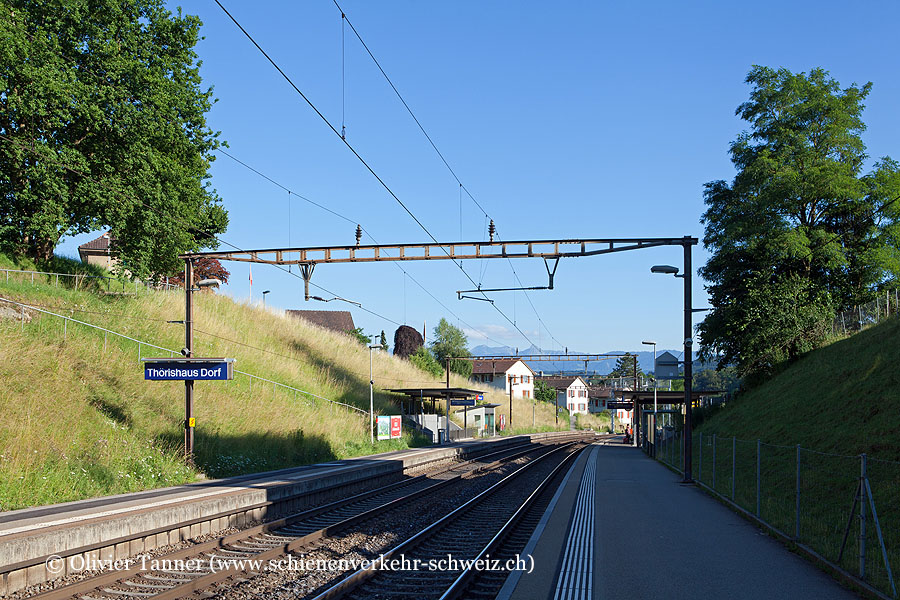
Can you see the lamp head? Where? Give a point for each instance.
(665, 269)
(649, 343)
(209, 283)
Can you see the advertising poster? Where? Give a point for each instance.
(383, 427)
(395, 427)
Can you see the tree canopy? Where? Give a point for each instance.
(801, 231)
(450, 341)
(625, 367)
(103, 125)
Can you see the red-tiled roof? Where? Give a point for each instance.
(495, 366)
(101, 243)
(558, 383)
(336, 320)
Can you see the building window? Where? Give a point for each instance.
(526, 394)
(490, 378)
(571, 393)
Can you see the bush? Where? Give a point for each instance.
(426, 361)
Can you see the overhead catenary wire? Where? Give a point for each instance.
(370, 236)
(462, 187)
(358, 156)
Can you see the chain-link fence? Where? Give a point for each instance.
(887, 303)
(844, 508)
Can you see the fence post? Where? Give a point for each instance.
(862, 516)
(104, 340)
(23, 318)
(797, 499)
(714, 461)
(758, 477)
(733, 464)
(65, 327)
(139, 351)
(700, 462)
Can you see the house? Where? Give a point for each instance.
(597, 396)
(505, 373)
(100, 251)
(335, 320)
(576, 391)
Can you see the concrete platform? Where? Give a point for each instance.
(622, 527)
(115, 527)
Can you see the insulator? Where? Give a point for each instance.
(358, 234)
(492, 230)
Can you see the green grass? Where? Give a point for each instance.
(837, 402)
(80, 421)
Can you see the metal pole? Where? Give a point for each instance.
(655, 385)
(189, 346)
(714, 461)
(733, 464)
(688, 362)
(636, 416)
(447, 409)
(371, 397)
(862, 516)
(797, 500)
(509, 379)
(700, 462)
(758, 477)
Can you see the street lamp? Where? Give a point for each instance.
(688, 356)
(264, 297)
(371, 393)
(655, 418)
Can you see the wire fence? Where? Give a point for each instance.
(844, 508)
(83, 281)
(858, 318)
(262, 383)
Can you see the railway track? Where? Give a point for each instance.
(201, 566)
(471, 551)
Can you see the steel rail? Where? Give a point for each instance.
(458, 587)
(133, 570)
(361, 576)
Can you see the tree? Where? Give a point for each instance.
(450, 341)
(360, 336)
(204, 268)
(424, 359)
(407, 341)
(625, 367)
(800, 231)
(383, 342)
(544, 392)
(103, 125)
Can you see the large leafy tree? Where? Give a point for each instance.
(800, 231)
(102, 124)
(450, 341)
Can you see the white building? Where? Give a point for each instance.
(576, 391)
(505, 373)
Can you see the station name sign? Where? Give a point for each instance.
(462, 402)
(188, 369)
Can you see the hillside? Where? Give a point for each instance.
(843, 398)
(80, 421)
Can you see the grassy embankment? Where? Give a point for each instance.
(836, 402)
(80, 421)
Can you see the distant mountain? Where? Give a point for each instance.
(645, 359)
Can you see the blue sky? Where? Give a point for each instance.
(574, 120)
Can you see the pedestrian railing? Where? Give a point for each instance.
(844, 509)
(82, 280)
(141, 346)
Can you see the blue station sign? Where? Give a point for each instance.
(462, 402)
(188, 369)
